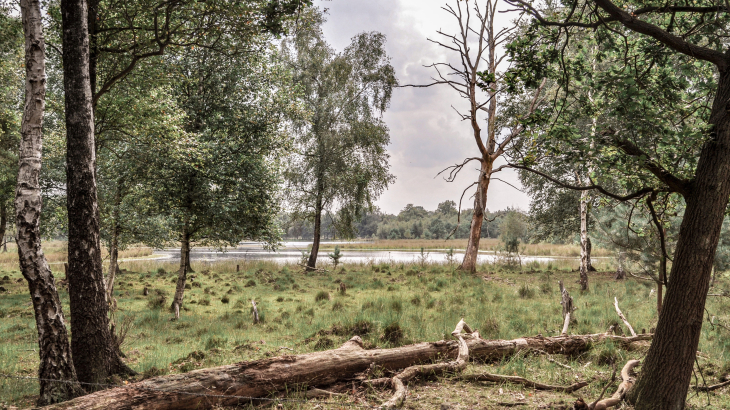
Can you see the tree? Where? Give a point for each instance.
(340, 160)
(674, 47)
(217, 186)
(479, 85)
(53, 345)
(95, 355)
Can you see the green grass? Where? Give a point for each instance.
(388, 305)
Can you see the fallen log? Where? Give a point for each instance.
(498, 378)
(627, 382)
(246, 381)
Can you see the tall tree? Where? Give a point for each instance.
(217, 185)
(672, 63)
(477, 79)
(341, 165)
(53, 346)
(94, 352)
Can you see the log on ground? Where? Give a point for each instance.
(236, 383)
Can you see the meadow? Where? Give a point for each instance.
(387, 305)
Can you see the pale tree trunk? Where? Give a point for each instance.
(667, 370)
(475, 233)
(183, 271)
(584, 252)
(53, 347)
(94, 353)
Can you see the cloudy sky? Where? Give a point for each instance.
(426, 133)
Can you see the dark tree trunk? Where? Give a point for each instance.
(114, 246)
(475, 233)
(3, 221)
(182, 273)
(94, 354)
(312, 262)
(667, 369)
(53, 346)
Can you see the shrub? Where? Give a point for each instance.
(161, 271)
(393, 333)
(214, 342)
(546, 288)
(225, 299)
(250, 283)
(322, 295)
(337, 306)
(204, 302)
(396, 305)
(280, 299)
(525, 292)
(157, 301)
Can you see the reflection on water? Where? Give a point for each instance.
(291, 252)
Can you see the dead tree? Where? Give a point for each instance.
(237, 383)
(568, 308)
(477, 80)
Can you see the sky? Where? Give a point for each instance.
(426, 134)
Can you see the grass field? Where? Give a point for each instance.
(424, 301)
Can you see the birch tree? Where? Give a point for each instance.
(341, 165)
(53, 344)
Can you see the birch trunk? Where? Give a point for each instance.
(94, 353)
(53, 345)
(584, 246)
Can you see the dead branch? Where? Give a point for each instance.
(626, 384)
(711, 388)
(621, 315)
(497, 378)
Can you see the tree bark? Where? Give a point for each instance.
(53, 345)
(584, 247)
(3, 221)
(94, 354)
(183, 271)
(667, 369)
(312, 262)
(475, 233)
(114, 246)
(260, 378)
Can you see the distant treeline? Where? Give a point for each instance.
(415, 222)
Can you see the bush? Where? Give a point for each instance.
(215, 342)
(546, 288)
(225, 299)
(250, 283)
(204, 302)
(157, 301)
(525, 292)
(161, 271)
(393, 333)
(322, 295)
(280, 299)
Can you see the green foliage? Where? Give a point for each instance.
(342, 165)
(335, 256)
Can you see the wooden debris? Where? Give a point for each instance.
(621, 315)
(568, 308)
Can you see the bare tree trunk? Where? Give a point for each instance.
(53, 346)
(667, 369)
(584, 252)
(659, 284)
(475, 233)
(183, 272)
(94, 354)
(261, 378)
